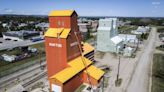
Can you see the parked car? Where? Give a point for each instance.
(37, 39)
(7, 39)
(15, 40)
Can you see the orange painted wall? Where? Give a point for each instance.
(73, 51)
(74, 26)
(69, 22)
(54, 22)
(73, 84)
(56, 57)
(94, 82)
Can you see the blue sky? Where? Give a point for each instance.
(136, 8)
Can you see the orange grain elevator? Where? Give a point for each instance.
(67, 66)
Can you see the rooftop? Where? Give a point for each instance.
(20, 33)
(87, 48)
(116, 39)
(55, 32)
(75, 66)
(95, 72)
(61, 13)
(108, 19)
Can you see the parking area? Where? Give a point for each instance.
(9, 44)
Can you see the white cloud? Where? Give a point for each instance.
(156, 3)
(7, 11)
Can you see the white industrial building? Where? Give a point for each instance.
(42, 25)
(107, 36)
(83, 29)
(128, 51)
(8, 58)
(140, 30)
(4, 24)
(128, 38)
(20, 35)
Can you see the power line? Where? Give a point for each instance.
(83, 60)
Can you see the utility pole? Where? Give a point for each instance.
(103, 84)
(117, 82)
(118, 69)
(39, 55)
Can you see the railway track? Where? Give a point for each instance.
(35, 79)
(6, 82)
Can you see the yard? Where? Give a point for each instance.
(126, 29)
(7, 67)
(160, 29)
(161, 47)
(158, 73)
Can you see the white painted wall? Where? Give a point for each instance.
(56, 88)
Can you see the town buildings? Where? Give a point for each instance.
(83, 28)
(20, 35)
(129, 38)
(140, 30)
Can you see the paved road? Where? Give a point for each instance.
(141, 77)
(12, 44)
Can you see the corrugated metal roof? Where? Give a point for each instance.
(95, 72)
(61, 13)
(116, 40)
(87, 48)
(65, 33)
(75, 66)
(54, 32)
(104, 28)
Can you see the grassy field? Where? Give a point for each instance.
(39, 46)
(161, 47)
(158, 73)
(160, 29)
(7, 68)
(126, 29)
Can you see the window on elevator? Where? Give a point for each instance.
(62, 23)
(58, 23)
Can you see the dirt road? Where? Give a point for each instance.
(141, 77)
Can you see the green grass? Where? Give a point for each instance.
(126, 29)
(39, 46)
(11, 52)
(106, 82)
(8, 68)
(158, 73)
(160, 29)
(161, 47)
(3, 63)
(81, 88)
(161, 35)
